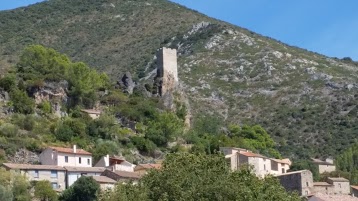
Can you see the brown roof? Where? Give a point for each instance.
(355, 187)
(91, 111)
(103, 179)
(125, 174)
(338, 179)
(31, 167)
(250, 154)
(321, 184)
(150, 166)
(295, 172)
(85, 169)
(70, 150)
(285, 161)
(320, 162)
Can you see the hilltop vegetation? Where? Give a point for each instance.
(306, 101)
(34, 123)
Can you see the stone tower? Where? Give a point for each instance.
(167, 70)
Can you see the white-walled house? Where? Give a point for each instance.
(73, 173)
(115, 163)
(60, 156)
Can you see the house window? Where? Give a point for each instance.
(54, 185)
(306, 192)
(66, 159)
(53, 173)
(264, 166)
(306, 183)
(339, 185)
(79, 160)
(83, 174)
(283, 170)
(88, 161)
(36, 174)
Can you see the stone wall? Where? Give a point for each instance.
(326, 168)
(167, 70)
(300, 182)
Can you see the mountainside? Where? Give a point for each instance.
(306, 101)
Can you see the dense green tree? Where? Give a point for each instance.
(44, 191)
(164, 128)
(21, 188)
(203, 177)
(85, 188)
(21, 102)
(5, 193)
(8, 82)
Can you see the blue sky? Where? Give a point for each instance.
(329, 27)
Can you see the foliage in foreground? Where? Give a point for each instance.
(201, 177)
(85, 188)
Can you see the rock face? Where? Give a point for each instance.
(4, 96)
(25, 156)
(53, 92)
(126, 83)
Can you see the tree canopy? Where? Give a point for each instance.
(188, 177)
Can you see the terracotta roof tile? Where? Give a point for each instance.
(150, 166)
(103, 179)
(250, 154)
(16, 166)
(70, 150)
(125, 174)
(85, 169)
(355, 187)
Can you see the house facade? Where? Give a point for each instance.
(326, 166)
(74, 173)
(262, 165)
(54, 174)
(94, 114)
(298, 181)
(115, 163)
(104, 182)
(340, 184)
(60, 156)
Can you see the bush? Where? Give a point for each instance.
(8, 82)
(44, 191)
(21, 102)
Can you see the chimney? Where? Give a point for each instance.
(106, 160)
(74, 149)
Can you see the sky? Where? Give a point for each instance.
(329, 27)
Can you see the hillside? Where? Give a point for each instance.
(306, 101)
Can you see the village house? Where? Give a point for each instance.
(74, 173)
(326, 166)
(354, 191)
(60, 156)
(115, 163)
(144, 168)
(298, 181)
(340, 185)
(262, 165)
(122, 176)
(94, 114)
(54, 174)
(104, 182)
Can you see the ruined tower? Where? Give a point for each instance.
(167, 70)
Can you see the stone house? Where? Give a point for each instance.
(298, 181)
(340, 184)
(94, 114)
(115, 163)
(144, 168)
(262, 165)
(74, 173)
(324, 166)
(122, 176)
(104, 182)
(60, 156)
(54, 174)
(323, 188)
(354, 191)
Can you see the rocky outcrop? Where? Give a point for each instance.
(24, 156)
(53, 92)
(4, 96)
(126, 83)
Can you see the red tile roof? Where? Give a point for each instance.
(125, 174)
(16, 166)
(355, 187)
(150, 166)
(70, 150)
(250, 154)
(104, 179)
